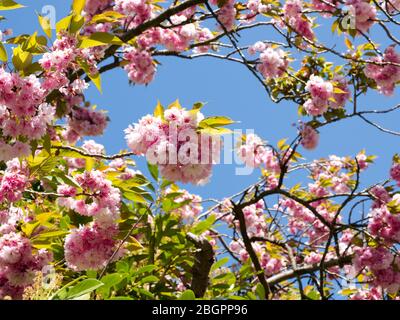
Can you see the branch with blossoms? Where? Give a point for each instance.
(69, 207)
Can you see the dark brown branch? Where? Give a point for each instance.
(203, 260)
(290, 274)
(250, 250)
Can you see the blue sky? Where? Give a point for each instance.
(230, 90)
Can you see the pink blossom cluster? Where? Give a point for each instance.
(271, 265)
(292, 11)
(254, 153)
(226, 14)
(328, 6)
(373, 293)
(136, 11)
(273, 62)
(14, 181)
(321, 91)
(383, 265)
(89, 146)
(177, 37)
(91, 247)
(315, 257)
(256, 7)
(384, 224)
(255, 220)
(9, 219)
(141, 67)
(333, 174)
(84, 121)
(190, 210)
(339, 98)
(24, 117)
(385, 76)
(173, 143)
(303, 220)
(392, 6)
(395, 172)
(93, 7)
(381, 196)
(101, 200)
(254, 216)
(62, 58)
(364, 13)
(18, 260)
(309, 137)
(120, 165)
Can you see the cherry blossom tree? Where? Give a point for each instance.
(76, 222)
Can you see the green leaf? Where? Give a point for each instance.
(109, 280)
(133, 196)
(149, 279)
(153, 169)
(214, 131)
(217, 121)
(47, 143)
(82, 288)
(203, 225)
(96, 78)
(198, 105)
(187, 295)
(100, 39)
(260, 291)
(145, 269)
(3, 53)
(45, 24)
(21, 59)
(106, 17)
(68, 180)
(212, 125)
(9, 5)
(76, 23)
(175, 104)
(219, 263)
(78, 6)
(281, 143)
(51, 234)
(28, 228)
(63, 24)
(159, 110)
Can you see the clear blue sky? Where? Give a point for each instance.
(230, 90)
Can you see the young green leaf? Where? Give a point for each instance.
(45, 24)
(9, 5)
(3, 53)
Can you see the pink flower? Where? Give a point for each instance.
(14, 181)
(252, 152)
(293, 15)
(188, 211)
(18, 264)
(395, 172)
(87, 122)
(141, 68)
(385, 76)
(174, 144)
(90, 247)
(364, 13)
(309, 137)
(273, 63)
